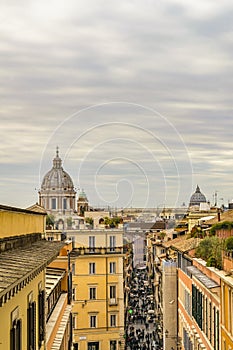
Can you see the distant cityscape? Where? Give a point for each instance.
(78, 277)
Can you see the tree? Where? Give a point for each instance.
(197, 232)
(69, 221)
(210, 249)
(112, 222)
(229, 243)
(89, 221)
(50, 221)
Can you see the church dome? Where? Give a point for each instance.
(197, 197)
(57, 178)
(57, 194)
(82, 196)
(82, 203)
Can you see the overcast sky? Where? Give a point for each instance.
(136, 94)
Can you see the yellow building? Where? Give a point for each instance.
(227, 313)
(98, 299)
(24, 256)
(58, 301)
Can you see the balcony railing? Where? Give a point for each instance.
(97, 251)
(112, 301)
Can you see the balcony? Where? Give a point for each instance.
(58, 323)
(112, 301)
(96, 251)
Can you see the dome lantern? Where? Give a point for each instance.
(57, 160)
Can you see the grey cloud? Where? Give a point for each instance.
(174, 57)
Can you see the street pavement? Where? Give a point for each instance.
(141, 328)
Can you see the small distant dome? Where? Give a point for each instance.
(197, 197)
(57, 178)
(82, 203)
(82, 196)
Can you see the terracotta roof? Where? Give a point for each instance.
(19, 266)
(171, 242)
(226, 216)
(180, 229)
(186, 245)
(158, 225)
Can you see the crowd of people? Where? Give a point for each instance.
(140, 317)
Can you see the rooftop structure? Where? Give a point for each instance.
(197, 198)
(57, 193)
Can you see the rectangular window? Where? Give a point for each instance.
(54, 203)
(112, 243)
(229, 308)
(112, 320)
(64, 203)
(206, 317)
(183, 263)
(16, 331)
(92, 293)
(93, 321)
(92, 244)
(69, 288)
(112, 292)
(187, 301)
(112, 267)
(93, 346)
(73, 293)
(113, 345)
(16, 336)
(197, 306)
(91, 268)
(187, 341)
(210, 322)
(74, 321)
(73, 269)
(41, 311)
(217, 330)
(31, 326)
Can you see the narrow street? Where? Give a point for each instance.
(140, 318)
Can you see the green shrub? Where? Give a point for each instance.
(225, 225)
(229, 243)
(210, 250)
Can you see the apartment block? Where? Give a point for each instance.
(98, 298)
(24, 256)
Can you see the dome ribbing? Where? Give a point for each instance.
(197, 197)
(57, 178)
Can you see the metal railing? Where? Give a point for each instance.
(97, 251)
